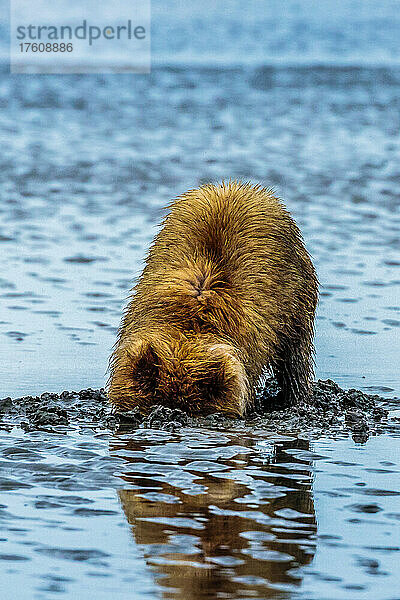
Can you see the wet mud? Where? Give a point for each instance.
(329, 409)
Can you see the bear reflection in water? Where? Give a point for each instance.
(220, 520)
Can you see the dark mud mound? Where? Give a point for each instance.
(330, 409)
(87, 407)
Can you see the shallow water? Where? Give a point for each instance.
(77, 216)
(199, 514)
(92, 160)
(303, 96)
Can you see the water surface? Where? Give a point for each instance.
(199, 514)
(91, 161)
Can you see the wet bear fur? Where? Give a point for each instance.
(227, 294)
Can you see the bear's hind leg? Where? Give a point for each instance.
(293, 370)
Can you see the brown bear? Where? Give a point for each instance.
(228, 293)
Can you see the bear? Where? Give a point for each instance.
(228, 294)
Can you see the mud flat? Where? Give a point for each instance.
(330, 409)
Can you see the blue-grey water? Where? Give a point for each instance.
(303, 96)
